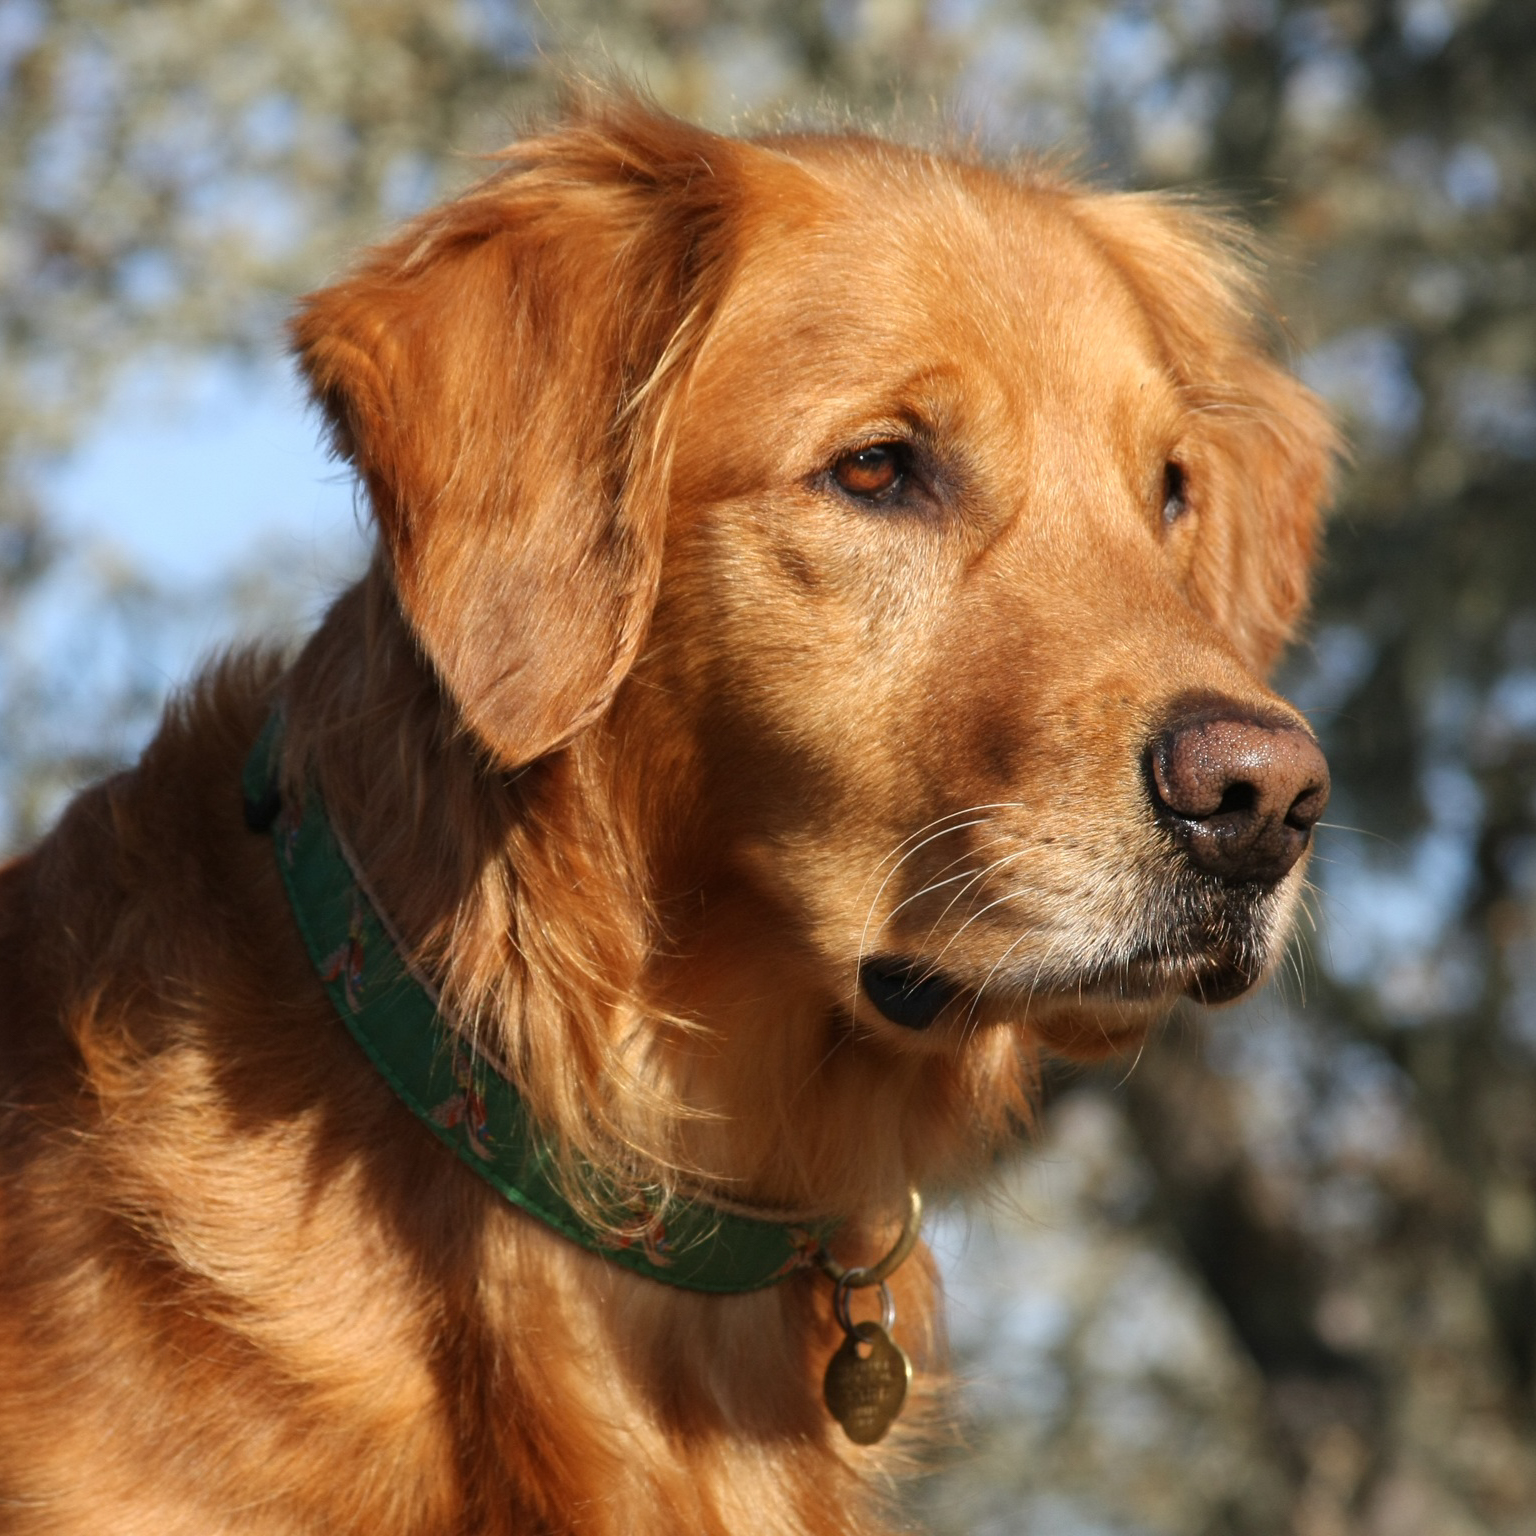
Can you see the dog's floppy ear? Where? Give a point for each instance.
(499, 376)
(1264, 443)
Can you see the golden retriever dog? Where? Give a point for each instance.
(812, 664)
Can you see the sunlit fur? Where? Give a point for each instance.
(646, 733)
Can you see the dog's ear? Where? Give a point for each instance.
(1263, 443)
(500, 375)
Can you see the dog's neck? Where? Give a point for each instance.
(681, 1024)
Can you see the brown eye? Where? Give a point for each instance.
(875, 472)
(1175, 492)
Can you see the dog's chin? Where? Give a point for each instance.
(1090, 1014)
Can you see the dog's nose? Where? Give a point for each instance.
(1239, 795)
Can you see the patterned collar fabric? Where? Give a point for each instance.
(459, 1095)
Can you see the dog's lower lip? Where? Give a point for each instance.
(1205, 981)
(905, 991)
(1149, 976)
(1221, 984)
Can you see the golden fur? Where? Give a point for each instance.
(647, 733)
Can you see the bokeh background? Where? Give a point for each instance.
(1279, 1273)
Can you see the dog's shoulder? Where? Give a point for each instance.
(149, 860)
(190, 1158)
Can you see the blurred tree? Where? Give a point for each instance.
(174, 173)
(1383, 1279)
(1346, 1190)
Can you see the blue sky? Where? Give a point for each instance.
(190, 469)
(198, 510)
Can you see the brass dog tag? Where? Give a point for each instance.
(864, 1392)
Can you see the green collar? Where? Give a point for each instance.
(472, 1108)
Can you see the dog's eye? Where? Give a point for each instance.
(1175, 492)
(874, 473)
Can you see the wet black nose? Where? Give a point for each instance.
(1240, 795)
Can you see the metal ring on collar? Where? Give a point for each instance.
(880, 1271)
(840, 1307)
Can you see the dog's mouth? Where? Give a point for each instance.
(912, 993)
(907, 991)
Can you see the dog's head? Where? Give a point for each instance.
(915, 536)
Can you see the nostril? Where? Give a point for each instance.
(1237, 799)
(1307, 808)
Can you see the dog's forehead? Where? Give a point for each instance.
(870, 292)
(909, 244)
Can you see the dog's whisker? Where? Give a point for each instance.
(869, 916)
(1003, 900)
(976, 877)
(928, 890)
(986, 981)
(936, 884)
(978, 813)
(1135, 1062)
